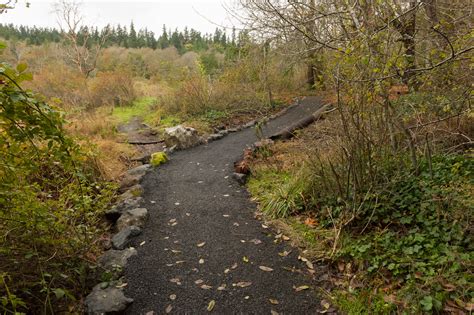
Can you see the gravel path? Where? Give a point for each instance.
(202, 242)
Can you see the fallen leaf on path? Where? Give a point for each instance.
(201, 244)
(265, 268)
(222, 287)
(310, 222)
(188, 214)
(142, 243)
(173, 297)
(226, 215)
(227, 271)
(242, 241)
(211, 305)
(206, 287)
(199, 281)
(201, 261)
(256, 241)
(168, 309)
(325, 304)
(274, 302)
(234, 266)
(301, 288)
(245, 259)
(265, 226)
(242, 284)
(176, 203)
(175, 251)
(285, 238)
(172, 220)
(169, 265)
(123, 285)
(226, 195)
(247, 297)
(180, 262)
(174, 224)
(274, 313)
(284, 253)
(236, 224)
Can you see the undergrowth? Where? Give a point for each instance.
(408, 243)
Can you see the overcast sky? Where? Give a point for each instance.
(202, 15)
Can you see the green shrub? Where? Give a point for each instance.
(50, 204)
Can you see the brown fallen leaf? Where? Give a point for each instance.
(285, 238)
(201, 244)
(211, 305)
(310, 222)
(274, 301)
(168, 309)
(265, 268)
(301, 288)
(242, 284)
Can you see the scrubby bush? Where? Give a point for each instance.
(50, 204)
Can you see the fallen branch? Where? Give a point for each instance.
(288, 132)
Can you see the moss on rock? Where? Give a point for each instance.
(158, 158)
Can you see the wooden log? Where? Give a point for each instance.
(289, 132)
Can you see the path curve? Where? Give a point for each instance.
(194, 200)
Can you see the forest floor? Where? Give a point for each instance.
(203, 247)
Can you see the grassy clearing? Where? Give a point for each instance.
(144, 107)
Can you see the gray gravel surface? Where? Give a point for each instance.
(194, 200)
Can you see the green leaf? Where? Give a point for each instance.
(21, 67)
(60, 293)
(427, 303)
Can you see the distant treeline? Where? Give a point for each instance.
(128, 37)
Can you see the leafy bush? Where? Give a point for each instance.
(50, 203)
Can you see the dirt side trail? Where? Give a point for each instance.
(202, 242)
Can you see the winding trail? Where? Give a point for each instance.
(193, 199)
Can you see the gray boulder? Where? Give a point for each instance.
(181, 137)
(113, 259)
(122, 238)
(106, 301)
(136, 217)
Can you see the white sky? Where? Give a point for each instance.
(200, 14)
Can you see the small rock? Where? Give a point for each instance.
(137, 217)
(214, 137)
(139, 170)
(263, 143)
(116, 211)
(223, 132)
(240, 178)
(129, 181)
(132, 192)
(250, 124)
(106, 301)
(158, 158)
(121, 239)
(116, 258)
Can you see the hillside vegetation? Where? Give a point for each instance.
(383, 187)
